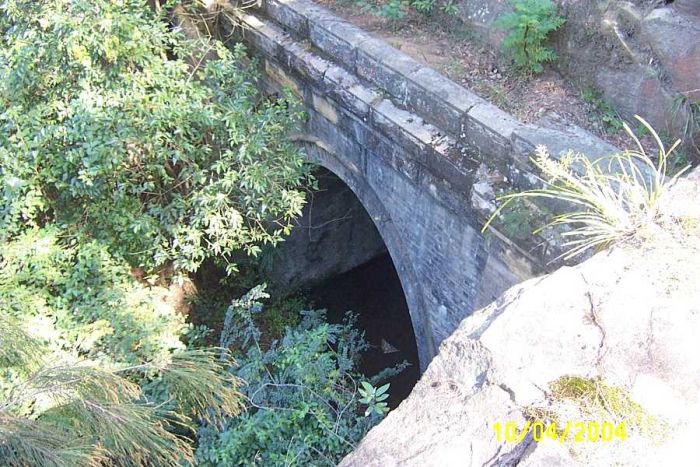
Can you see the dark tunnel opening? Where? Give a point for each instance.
(338, 258)
(373, 290)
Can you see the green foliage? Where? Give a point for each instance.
(109, 131)
(58, 410)
(279, 316)
(395, 10)
(84, 300)
(517, 220)
(529, 26)
(615, 198)
(120, 151)
(605, 111)
(374, 398)
(303, 406)
(450, 8)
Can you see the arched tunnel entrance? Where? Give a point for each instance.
(338, 259)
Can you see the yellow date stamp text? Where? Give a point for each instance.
(571, 431)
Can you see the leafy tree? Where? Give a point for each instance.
(529, 25)
(83, 300)
(303, 399)
(112, 134)
(118, 151)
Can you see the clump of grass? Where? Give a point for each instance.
(691, 123)
(615, 198)
(599, 401)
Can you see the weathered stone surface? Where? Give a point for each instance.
(559, 141)
(337, 39)
(488, 131)
(675, 40)
(291, 18)
(641, 54)
(690, 7)
(630, 316)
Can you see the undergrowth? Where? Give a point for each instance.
(529, 27)
(595, 400)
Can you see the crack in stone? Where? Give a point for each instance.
(512, 457)
(510, 392)
(595, 320)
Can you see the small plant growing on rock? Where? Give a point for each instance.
(529, 26)
(593, 399)
(616, 197)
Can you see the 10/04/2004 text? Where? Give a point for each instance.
(576, 431)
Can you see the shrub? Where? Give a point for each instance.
(302, 393)
(85, 300)
(529, 26)
(109, 131)
(617, 196)
(604, 109)
(395, 10)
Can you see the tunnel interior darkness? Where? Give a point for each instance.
(374, 292)
(372, 289)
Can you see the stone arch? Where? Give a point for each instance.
(411, 285)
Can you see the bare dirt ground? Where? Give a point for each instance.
(446, 46)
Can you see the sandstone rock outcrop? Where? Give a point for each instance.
(643, 55)
(629, 317)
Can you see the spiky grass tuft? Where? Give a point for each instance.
(616, 197)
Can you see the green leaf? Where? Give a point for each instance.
(382, 389)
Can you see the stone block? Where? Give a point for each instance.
(262, 37)
(444, 160)
(282, 78)
(385, 66)
(559, 141)
(438, 99)
(359, 131)
(298, 58)
(338, 39)
(348, 91)
(487, 130)
(406, 167)
(348, 151)
(443, 192)
(407, 130)
(325, 107)
(288, 16)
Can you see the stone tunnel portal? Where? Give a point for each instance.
(337, 256)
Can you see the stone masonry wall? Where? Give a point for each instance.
(419, 151)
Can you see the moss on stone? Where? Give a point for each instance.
(599, 401)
